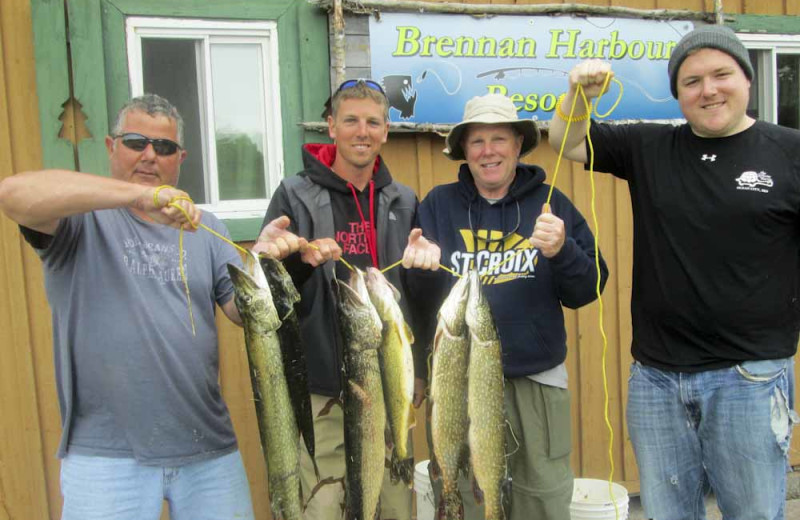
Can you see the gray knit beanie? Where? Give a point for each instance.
(708, 36)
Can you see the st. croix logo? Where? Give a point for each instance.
(498, 258)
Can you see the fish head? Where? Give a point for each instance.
(354, 292)
(280, 283)
(251, 291)
(383, 294)
(359, 317)
(453, 310)
(479, 315)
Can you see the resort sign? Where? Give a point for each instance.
(432, 64)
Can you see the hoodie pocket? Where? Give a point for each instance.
(523, 344)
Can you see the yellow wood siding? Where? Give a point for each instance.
(29, 415)
(27, 399)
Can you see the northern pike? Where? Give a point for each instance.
(276, 422)
(397, 370)
(448, 397)
(364, 408)
(285, 297)
(485, 403)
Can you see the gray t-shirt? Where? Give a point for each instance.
(132, 379)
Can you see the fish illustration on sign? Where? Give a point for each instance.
(401, 94)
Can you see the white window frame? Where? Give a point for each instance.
(207, 32)
(771, 45)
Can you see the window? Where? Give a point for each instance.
(223, 78)
(775, 89)
(94, 78)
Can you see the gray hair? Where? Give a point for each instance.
(152, 105)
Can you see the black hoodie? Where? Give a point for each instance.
(353, 210)
(320, 204)
(527, 293)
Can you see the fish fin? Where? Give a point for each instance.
(322, 483)
(300, 495)
(377, 515)
(412, 417)
(476, 491)
(463, 461)
(327, 408)
(360, 394)
(409, 333)
(451, 506)
(434, 469)
(436, 342)
(440, 513)
(388, 438)
(316, 468)
(401, 470)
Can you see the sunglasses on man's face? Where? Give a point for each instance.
(350, 83)
(139, 143)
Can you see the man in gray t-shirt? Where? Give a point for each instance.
(138, 380)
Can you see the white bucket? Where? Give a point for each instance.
(591, 500)
(424, 491)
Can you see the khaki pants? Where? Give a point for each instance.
(542, 479)
(328, 499)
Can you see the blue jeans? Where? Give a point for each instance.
(100, 488)
(724, 430)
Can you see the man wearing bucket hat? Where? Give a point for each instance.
(498, 207)
(716, 206)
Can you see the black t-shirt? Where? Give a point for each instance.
(716, 241)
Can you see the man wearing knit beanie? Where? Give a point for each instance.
(708, 37)
(714, 308)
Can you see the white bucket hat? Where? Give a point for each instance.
(491, 109)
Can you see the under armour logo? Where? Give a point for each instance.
(711, 158)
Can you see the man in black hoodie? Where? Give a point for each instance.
(344, 204)
(498, 208)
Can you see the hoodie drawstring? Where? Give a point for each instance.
(474, 227)
(369, 227)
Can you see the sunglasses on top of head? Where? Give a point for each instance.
(139, 142)
(351, 83)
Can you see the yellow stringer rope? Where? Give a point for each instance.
(589, 107)
(173, 203)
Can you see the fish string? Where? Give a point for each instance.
(444, 267)
(589, 107)
(597, 287)
(342, 260)
(173, 203)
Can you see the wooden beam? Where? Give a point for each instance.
(377, 6)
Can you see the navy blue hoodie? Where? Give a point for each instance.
(526, 293)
